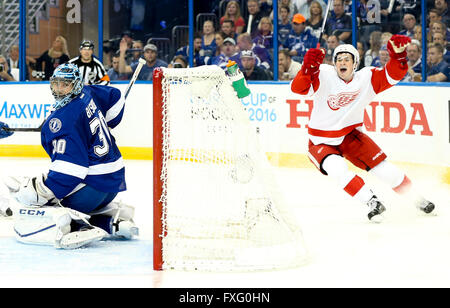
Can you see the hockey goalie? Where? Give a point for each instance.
(73, 204)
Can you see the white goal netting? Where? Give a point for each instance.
(221, 209)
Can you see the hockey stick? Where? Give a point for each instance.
(325, 17)
(127, 91)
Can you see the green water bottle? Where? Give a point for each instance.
(237, 79)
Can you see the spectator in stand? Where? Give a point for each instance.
(208, 39)
(439, 70)
(199, 59)
(137, 49)
(300, 39)
(227, 28)
(442, 9)
(265, 6)
(360, 48)
(382, 59)
(228, 52)
(128, 36)
(113, 72)
(254, 17)
(178, 62)
(417, 33)
(315, 20)
(5, 71)
(91, 69)
(433, 15)
(287, 68)
(52, 58)
(328, 59)
(367, 19)
(233, 12)
(13, 63)
(414, 55)
(284, 24)
(150, 53)
(375, 45)
(263, 57)
(409, 22)
(438, 26)
(348, 7)
(339, 23)
(13, 58)
(439, 38)
(305, 8)
(265, 34)
(385, 37)
(290, 9)
(129, 56)
(250, 70)
(297, 4)
(332, 42)
(220, 37)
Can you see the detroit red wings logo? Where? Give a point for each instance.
(342, 99)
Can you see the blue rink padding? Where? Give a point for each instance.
(107, 257)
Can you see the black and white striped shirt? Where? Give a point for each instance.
(93, 72)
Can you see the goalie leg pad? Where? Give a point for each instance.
(38, 225)
(52, 226)
(117, 219)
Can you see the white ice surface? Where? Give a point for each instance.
(408, 249)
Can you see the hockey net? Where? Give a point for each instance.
(216, 205)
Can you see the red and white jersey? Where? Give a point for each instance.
(338, 105)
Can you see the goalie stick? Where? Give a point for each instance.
(127, 91)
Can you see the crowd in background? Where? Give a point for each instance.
(247, 39)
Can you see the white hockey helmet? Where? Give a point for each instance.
(351, 50)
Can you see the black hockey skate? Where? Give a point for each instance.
(426, 206)
(375, 209)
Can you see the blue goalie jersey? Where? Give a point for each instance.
(78, 140)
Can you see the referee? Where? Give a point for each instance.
(91, 69)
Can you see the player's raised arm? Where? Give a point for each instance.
(397, 66)
(307, 78)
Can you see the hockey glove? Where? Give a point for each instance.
(3, 132)
(312, 60)
(396, 47)
(30, 191)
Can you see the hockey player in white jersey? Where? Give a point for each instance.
(72, 204)
(340, 95)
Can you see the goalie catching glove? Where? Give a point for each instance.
(30, 191)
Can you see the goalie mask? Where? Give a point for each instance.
(348, 49)
(66, 83)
